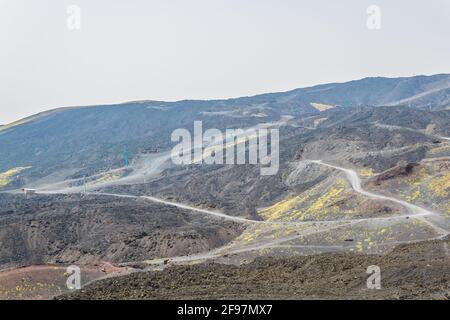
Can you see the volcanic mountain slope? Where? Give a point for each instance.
(310, 208)
(351, 137)
(360, 138)
(413, 271)
(73, 142)
(398, 154)
(83, 229)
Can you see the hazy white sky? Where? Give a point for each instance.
(178, 49)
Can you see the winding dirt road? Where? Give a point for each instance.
(416, 211)
(317, 227)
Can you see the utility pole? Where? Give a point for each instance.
(84, 183)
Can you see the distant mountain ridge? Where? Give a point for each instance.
(395, 91)
(77, 141)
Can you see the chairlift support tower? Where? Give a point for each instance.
(125, 156)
